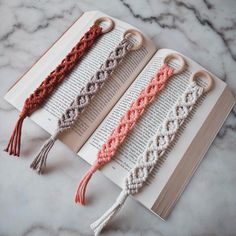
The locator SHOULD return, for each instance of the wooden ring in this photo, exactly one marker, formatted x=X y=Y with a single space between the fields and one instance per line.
x=136 y=33
x=176 y=56
x=105 y=19
x=205 y=75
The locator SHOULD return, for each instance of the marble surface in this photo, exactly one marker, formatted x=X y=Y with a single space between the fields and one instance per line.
x=43 y=205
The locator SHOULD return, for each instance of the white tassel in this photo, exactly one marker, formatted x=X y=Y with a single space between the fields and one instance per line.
x=99 y=224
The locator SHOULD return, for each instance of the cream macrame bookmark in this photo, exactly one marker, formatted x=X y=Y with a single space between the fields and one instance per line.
x=87 y=93
x=157 y=146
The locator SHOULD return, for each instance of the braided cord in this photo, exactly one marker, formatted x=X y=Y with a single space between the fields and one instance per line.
x=156 y=148
x=58 y=75
x=131 y=117
x=158 y=145
x=87 y=93
x=45 y=89
x=125 y=125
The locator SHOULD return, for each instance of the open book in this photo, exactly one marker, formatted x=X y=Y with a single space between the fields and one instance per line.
x=103 y=114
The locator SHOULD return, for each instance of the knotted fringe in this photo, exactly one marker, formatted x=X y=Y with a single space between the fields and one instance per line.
x=80 y=193
x=39 y=163
x=99 y=224
x=13 y=147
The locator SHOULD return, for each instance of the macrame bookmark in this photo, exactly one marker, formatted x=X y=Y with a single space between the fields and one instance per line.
x=128 y=121
x=156 y=147
x=86 y=94
x=36 y=99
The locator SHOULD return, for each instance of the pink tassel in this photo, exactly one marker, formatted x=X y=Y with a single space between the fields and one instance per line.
x=80 y=193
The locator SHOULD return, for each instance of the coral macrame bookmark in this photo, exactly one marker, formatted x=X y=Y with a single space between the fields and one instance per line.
x=157 y=146
x=129 y=120
x=87 y=93
x=45 y=89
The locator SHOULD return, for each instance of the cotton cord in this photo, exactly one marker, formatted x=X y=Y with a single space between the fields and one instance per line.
x=87 y=93
x=125 y=125
x=36 y=99
x=156 y=148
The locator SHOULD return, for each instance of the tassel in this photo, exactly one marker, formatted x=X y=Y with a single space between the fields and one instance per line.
x=13 y=147
x=99 y=224
x=80 y=193
x=39 y=163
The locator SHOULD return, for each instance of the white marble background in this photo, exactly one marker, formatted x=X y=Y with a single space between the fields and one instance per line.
x=43 y=205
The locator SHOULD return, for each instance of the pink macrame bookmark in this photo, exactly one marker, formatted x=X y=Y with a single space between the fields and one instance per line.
x=129 y=120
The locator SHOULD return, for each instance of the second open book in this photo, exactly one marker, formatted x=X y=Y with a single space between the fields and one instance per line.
x=103 y=114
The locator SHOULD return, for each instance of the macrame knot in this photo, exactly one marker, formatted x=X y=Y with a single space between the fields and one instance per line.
x=25 y=110
x=96 y=165
x=167 y=70
x=122 y=197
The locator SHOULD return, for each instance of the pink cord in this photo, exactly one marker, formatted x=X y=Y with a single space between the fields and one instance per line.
x=125 y=125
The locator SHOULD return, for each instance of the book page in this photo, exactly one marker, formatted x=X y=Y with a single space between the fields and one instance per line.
x=138 y=138
x=62 y=97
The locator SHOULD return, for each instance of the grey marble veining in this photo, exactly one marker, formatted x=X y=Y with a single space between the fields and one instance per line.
x=43 y=205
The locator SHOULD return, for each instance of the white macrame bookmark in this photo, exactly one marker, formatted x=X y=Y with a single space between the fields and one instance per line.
x=157 y=146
